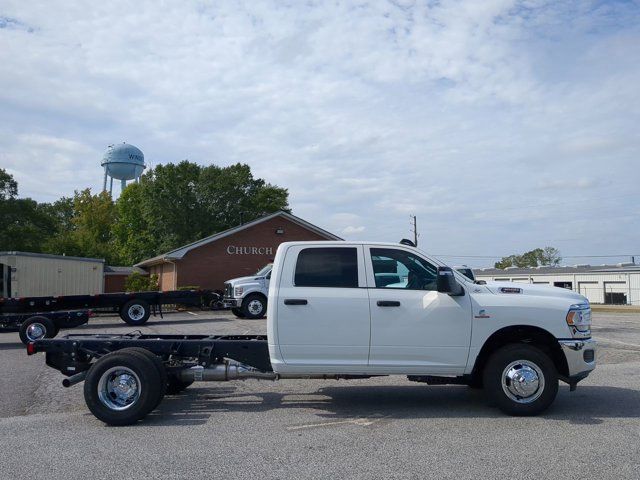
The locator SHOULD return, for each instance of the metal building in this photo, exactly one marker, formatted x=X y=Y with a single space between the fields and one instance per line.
x=25 y=274
x=607 y=284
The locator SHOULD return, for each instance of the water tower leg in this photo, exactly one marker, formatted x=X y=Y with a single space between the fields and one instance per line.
x=104 y=185
x=123 y=183
x=111 y=187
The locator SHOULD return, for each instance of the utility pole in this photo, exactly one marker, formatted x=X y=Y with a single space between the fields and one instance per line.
x=414 y=223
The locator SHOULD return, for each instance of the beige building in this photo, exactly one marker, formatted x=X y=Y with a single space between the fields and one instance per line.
x=36 y=274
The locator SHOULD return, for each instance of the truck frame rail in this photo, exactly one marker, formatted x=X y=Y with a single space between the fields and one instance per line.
x=72 y=354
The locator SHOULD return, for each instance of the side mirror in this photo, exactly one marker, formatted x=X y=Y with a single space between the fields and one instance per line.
x=446 y=282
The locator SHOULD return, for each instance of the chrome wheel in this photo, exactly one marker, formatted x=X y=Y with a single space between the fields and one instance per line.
x=136 y=312
x=523 y=381
x=36 y=331
x=119 y=388
x=255 y=307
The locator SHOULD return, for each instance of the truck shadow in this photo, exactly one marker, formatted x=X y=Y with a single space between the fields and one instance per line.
x=588 y=405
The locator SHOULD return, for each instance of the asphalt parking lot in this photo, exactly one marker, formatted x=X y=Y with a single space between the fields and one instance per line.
x=377 y=428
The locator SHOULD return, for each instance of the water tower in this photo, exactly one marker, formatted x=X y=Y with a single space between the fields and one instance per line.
x=122 y=162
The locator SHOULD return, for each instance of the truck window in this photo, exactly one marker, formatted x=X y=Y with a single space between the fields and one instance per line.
x=400 y=269
x=327 y=267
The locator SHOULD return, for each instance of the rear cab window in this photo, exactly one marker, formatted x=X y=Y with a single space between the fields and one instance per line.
x=327 y=267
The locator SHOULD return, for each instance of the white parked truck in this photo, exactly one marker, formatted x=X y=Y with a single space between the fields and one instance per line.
x=354 y=310
x=247 y=296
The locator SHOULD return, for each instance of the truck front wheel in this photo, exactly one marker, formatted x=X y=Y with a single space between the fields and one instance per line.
x=237 y=312
x=521 y=379
x=135 y=312
x=122 y=388
x=254 y=306
x=35 y=328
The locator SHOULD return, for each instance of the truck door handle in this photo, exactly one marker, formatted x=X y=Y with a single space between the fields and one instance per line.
x=295 y=301
x=388 y=303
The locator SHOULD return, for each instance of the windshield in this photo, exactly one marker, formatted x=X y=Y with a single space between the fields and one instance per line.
x=264 y=270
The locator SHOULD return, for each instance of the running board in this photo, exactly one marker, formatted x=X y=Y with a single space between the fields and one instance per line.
x=433 y=380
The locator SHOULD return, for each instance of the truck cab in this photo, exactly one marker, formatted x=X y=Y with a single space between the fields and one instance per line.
x=247 y=296
x=381 y=309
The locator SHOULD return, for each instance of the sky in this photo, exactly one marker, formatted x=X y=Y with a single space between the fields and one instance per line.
x=502 y=125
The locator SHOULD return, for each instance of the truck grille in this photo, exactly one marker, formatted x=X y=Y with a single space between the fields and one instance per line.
x=228 y=290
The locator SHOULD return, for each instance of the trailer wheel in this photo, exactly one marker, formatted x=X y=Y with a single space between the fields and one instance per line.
x=175 y=385
x=521 y=380
x=237 y=312
x=254 y=306
x=135 y=312
x=122 y=388
x=157 y=362
x=35 y=328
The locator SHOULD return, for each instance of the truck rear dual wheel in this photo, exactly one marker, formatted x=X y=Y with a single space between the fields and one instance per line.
x=254 y=306
x=135 y=312
x=521 y=379
x=123 y=387
x=37 y=327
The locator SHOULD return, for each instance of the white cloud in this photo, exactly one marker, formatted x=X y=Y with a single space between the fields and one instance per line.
x=449 y=110
x=351 y=230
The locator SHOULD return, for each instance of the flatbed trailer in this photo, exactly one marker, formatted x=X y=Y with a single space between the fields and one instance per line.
x=133 y=307
x=33 y=326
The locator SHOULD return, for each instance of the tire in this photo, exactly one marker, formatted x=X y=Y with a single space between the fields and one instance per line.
x=237 y=312
x=175 y=385
x=135 y=312
x=35 y=328
x=114 y=406
x=475 y=383
x=539 y=380
x=157 y=362
x=254 y=306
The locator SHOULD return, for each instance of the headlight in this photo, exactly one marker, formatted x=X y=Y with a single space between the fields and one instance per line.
x=238 y=291
x=579 y=317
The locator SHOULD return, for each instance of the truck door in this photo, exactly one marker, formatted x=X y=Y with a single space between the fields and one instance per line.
x=323 y=308
x=413 y=327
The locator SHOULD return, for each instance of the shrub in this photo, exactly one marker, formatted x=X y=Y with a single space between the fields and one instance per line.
x=137 y=282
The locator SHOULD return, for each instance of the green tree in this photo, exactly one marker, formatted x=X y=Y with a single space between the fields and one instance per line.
x=547 y=256
x=25 y=224
x=90 y=230
x=133 y=227
x=175 y=204
x=8 y=186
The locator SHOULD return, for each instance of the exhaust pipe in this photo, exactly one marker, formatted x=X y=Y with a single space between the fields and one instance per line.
x=224 y=372
x=73 y=379
x=238 y=371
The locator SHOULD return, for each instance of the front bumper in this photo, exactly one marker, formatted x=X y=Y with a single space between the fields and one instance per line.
x=231 y=302
x=581 y=358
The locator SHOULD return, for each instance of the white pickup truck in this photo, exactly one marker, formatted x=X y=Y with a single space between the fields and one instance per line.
x=247 y=296
x=354 y=310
